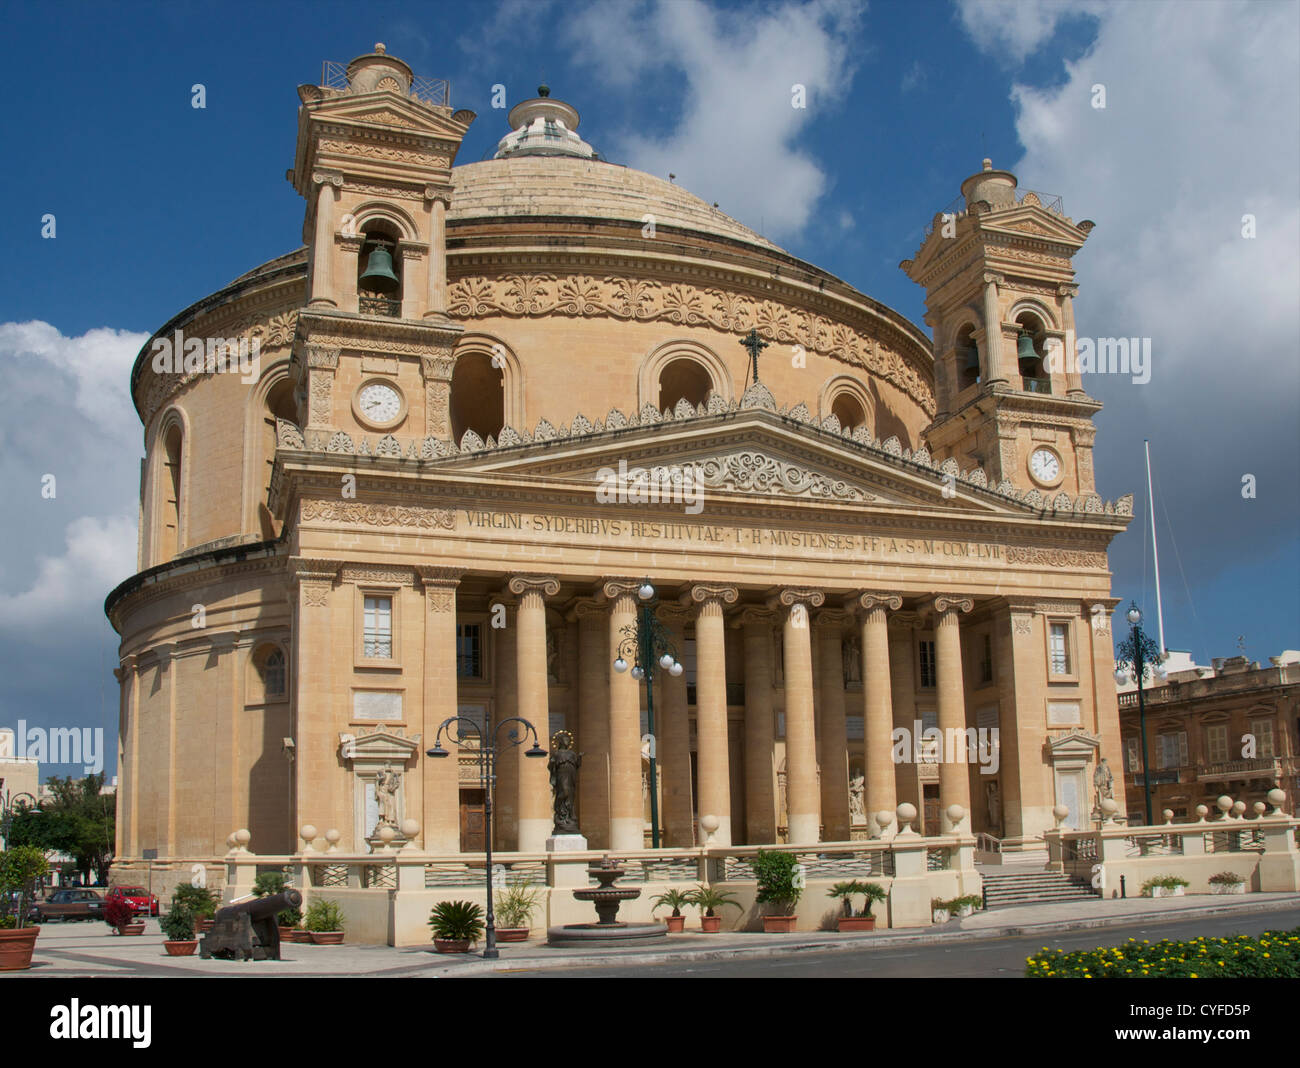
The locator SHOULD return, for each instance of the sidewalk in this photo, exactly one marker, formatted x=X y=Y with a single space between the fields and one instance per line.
x=86 y=949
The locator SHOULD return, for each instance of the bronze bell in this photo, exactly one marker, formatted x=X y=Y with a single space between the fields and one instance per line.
x=971 y=360
x=378 y=274
x=1025 y=353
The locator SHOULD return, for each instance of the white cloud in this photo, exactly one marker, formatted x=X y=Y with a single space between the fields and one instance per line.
x=1011 y=29
x=736 y=139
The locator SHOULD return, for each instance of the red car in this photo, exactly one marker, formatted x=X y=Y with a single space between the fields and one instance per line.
x=137 y=897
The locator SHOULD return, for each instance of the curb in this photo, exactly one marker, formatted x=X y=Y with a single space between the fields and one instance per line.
x=845 y=945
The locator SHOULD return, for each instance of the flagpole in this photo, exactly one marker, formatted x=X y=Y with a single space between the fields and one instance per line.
x=1155 y=551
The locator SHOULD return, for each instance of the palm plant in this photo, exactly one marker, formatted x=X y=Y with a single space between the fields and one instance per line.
x=845 y=891
x=456 y=921
x=674 y=898
x=708 y=898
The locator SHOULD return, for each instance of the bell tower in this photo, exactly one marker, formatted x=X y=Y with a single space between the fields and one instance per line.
x=373 y=160
x=998 y=289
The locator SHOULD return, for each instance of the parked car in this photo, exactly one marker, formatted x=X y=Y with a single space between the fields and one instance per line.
x=137 y=897
x=69 y=905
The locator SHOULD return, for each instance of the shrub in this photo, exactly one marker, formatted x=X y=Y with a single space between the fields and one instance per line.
x=178 y=925
x=516 y=905
x=709 y=898
x=456 y=921
x=674 y=898
x=323 y=916
x=269 y=882
x=1227 y=878
x=776 y=872
x=20 y=869
x=873 y=892
x=1166 y=882
x=118 y=913
x=196 y=900
x=1274 y=954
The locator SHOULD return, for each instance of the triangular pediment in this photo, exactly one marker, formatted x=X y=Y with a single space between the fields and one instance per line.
x=389 y=110
x=1035 y=221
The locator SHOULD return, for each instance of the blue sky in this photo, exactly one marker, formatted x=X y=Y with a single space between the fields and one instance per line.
x=158 y=203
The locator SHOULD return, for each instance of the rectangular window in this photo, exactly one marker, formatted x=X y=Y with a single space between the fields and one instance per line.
x=986 y=660
x=1059 y=636
x=1132 y=755
x=469 y=651
x=1262 y=729
x=378 y=628
x=1216 y=743
x=1173 y=750
x=928 y=673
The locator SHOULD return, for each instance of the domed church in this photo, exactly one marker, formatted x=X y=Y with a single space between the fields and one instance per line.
x=498 y=419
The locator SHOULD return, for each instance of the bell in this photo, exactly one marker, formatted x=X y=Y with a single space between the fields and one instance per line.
x=1025 y=354
x=378 y=274
x=971 y=360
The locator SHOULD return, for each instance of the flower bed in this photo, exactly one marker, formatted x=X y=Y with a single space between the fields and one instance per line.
x=1274 y=954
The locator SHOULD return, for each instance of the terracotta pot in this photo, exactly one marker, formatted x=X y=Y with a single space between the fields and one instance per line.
x=856 y=923
x=710 y=924
x=327 y=938
x=16 y=948
x=779 y=924
x=286 y=934
x=203 y=925
x=448 y=945
x=136 y=928
x=676 y=924
x=512 y=934
x=301 y=937
x=181 y=949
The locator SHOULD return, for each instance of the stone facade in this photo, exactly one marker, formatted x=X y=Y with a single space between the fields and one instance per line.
x=404 y=516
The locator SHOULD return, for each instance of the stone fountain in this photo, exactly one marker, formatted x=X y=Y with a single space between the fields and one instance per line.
x=607 y=897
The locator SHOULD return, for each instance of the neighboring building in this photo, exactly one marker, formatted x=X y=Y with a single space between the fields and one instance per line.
x=1231 y=729
x=19 y=778
x=406 y=513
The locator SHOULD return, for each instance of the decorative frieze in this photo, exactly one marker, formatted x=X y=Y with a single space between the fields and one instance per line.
x=377 y=515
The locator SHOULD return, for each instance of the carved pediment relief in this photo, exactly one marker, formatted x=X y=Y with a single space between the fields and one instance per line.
x=754 y=471
x=370 y=748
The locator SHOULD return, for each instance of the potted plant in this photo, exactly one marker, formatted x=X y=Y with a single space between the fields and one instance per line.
x=939 y=910
x=862 y=921
x=20 y=869
x=676 y=899
x=1164 y=886
x=199 y=902
x=1227 y=882
x=120 y=916
x=964 y=906
x=514 y=910
x=178 y=926
x=456 y=925
x=274 y=882
x=780 y=886
x=708 y=898
x=325 y=922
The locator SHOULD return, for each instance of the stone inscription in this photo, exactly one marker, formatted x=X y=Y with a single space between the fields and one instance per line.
x=740 y=538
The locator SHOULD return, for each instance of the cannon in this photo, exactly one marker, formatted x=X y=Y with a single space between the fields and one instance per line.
x=248 y=931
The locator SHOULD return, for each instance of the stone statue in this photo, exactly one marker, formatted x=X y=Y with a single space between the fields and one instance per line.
x=857 y=797
x=552 y=657
x=852 y=654
x=993 y=802
x=563 y=765
x=387 y=783
x=1103 y=783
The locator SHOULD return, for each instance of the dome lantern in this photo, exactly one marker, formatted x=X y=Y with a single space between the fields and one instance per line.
x=543 y=126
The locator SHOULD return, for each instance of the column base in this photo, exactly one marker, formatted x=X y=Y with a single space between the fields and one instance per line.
x=533 y=834
x=627 y=832
x=804 y=830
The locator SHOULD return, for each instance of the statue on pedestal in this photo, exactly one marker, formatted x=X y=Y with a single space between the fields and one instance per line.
x=1103 y=784
x=857 y=797
x=563 y=765
x=387 y=783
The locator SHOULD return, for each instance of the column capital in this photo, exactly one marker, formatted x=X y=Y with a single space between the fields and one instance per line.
x=327 y=177
x=437 y=368
x=951 y=602
x=993 y=278
x=833 y=619
x=305 y=569
x=903 y=621
x=546 y=585
x=674 y=613
x=793 y=595
x=611 y=589
x=582 y=609
x=704 y=593
x=1067 y=290
x=754 y=616
x=439 y=576
x=874 y=599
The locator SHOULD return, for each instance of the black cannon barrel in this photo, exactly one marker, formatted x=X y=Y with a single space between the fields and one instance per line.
x=262 y=907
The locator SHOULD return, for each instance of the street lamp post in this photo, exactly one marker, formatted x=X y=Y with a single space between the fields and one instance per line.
x=647 y=645
x=487 y=769
x=1142 y=652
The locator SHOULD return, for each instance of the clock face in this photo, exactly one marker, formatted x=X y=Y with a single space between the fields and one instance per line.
x=379 y=403
x=1045 y=465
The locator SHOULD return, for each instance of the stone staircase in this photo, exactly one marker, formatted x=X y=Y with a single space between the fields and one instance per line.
x=1004 y=888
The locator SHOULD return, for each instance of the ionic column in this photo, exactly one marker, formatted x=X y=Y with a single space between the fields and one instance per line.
x=954 y=775
x=505 y=829
x=593 y=719
x=760 y=728
x=535 y=812
x=877 y=704
x=832 y=737
x=436 y=295
x=803 y=806
x=1073 y=382
x=626 y=821
x=673 y=730
x=322 y=262
x=711 y=745
x=902 y=685
x=440 y=781
x=993 y=362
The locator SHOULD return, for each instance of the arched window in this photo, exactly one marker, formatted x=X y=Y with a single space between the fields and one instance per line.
x=269 y=679
x=850 y=401
x=1030 y=352
x=683 y=379
x=379 y=273
x=169 y=496
x=849 y=411
x=968 y=358
x=477 y=396
x=279 y=404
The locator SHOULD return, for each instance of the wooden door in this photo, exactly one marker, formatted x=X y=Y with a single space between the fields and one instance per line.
x=472 y=821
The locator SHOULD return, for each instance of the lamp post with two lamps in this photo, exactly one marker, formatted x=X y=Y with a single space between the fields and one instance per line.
x=487 y=755
x=646 y=645
x=1143 y=654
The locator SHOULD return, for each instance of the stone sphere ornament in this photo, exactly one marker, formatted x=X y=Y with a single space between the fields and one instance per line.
x=308 y=834
x=906 y=813
x=1224 y=804
x=1168 y=815
x=1238 y=809
x=1109 y=806
x=242 y=837
x=386 y=834
x=410 y=828
x=1202 y=812
x=709 y=825
x=956 y=814
x=1060 y=813
x=1275 y=798
x=884 y=818
x=333 y=837
x=1259 y=808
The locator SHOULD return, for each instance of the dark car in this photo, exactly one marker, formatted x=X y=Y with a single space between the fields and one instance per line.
x=137 y=897
x=69 y=905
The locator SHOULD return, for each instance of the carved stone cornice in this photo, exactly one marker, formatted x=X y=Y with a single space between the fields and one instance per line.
x=1058 y=608
x=870 y=600
x=304 y=569
x=793 y=595
x=546 y=585
x=400 y=576
x=376 y=515
x=433 y=575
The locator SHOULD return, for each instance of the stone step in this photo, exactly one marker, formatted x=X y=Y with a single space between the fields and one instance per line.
x=1030 y=888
